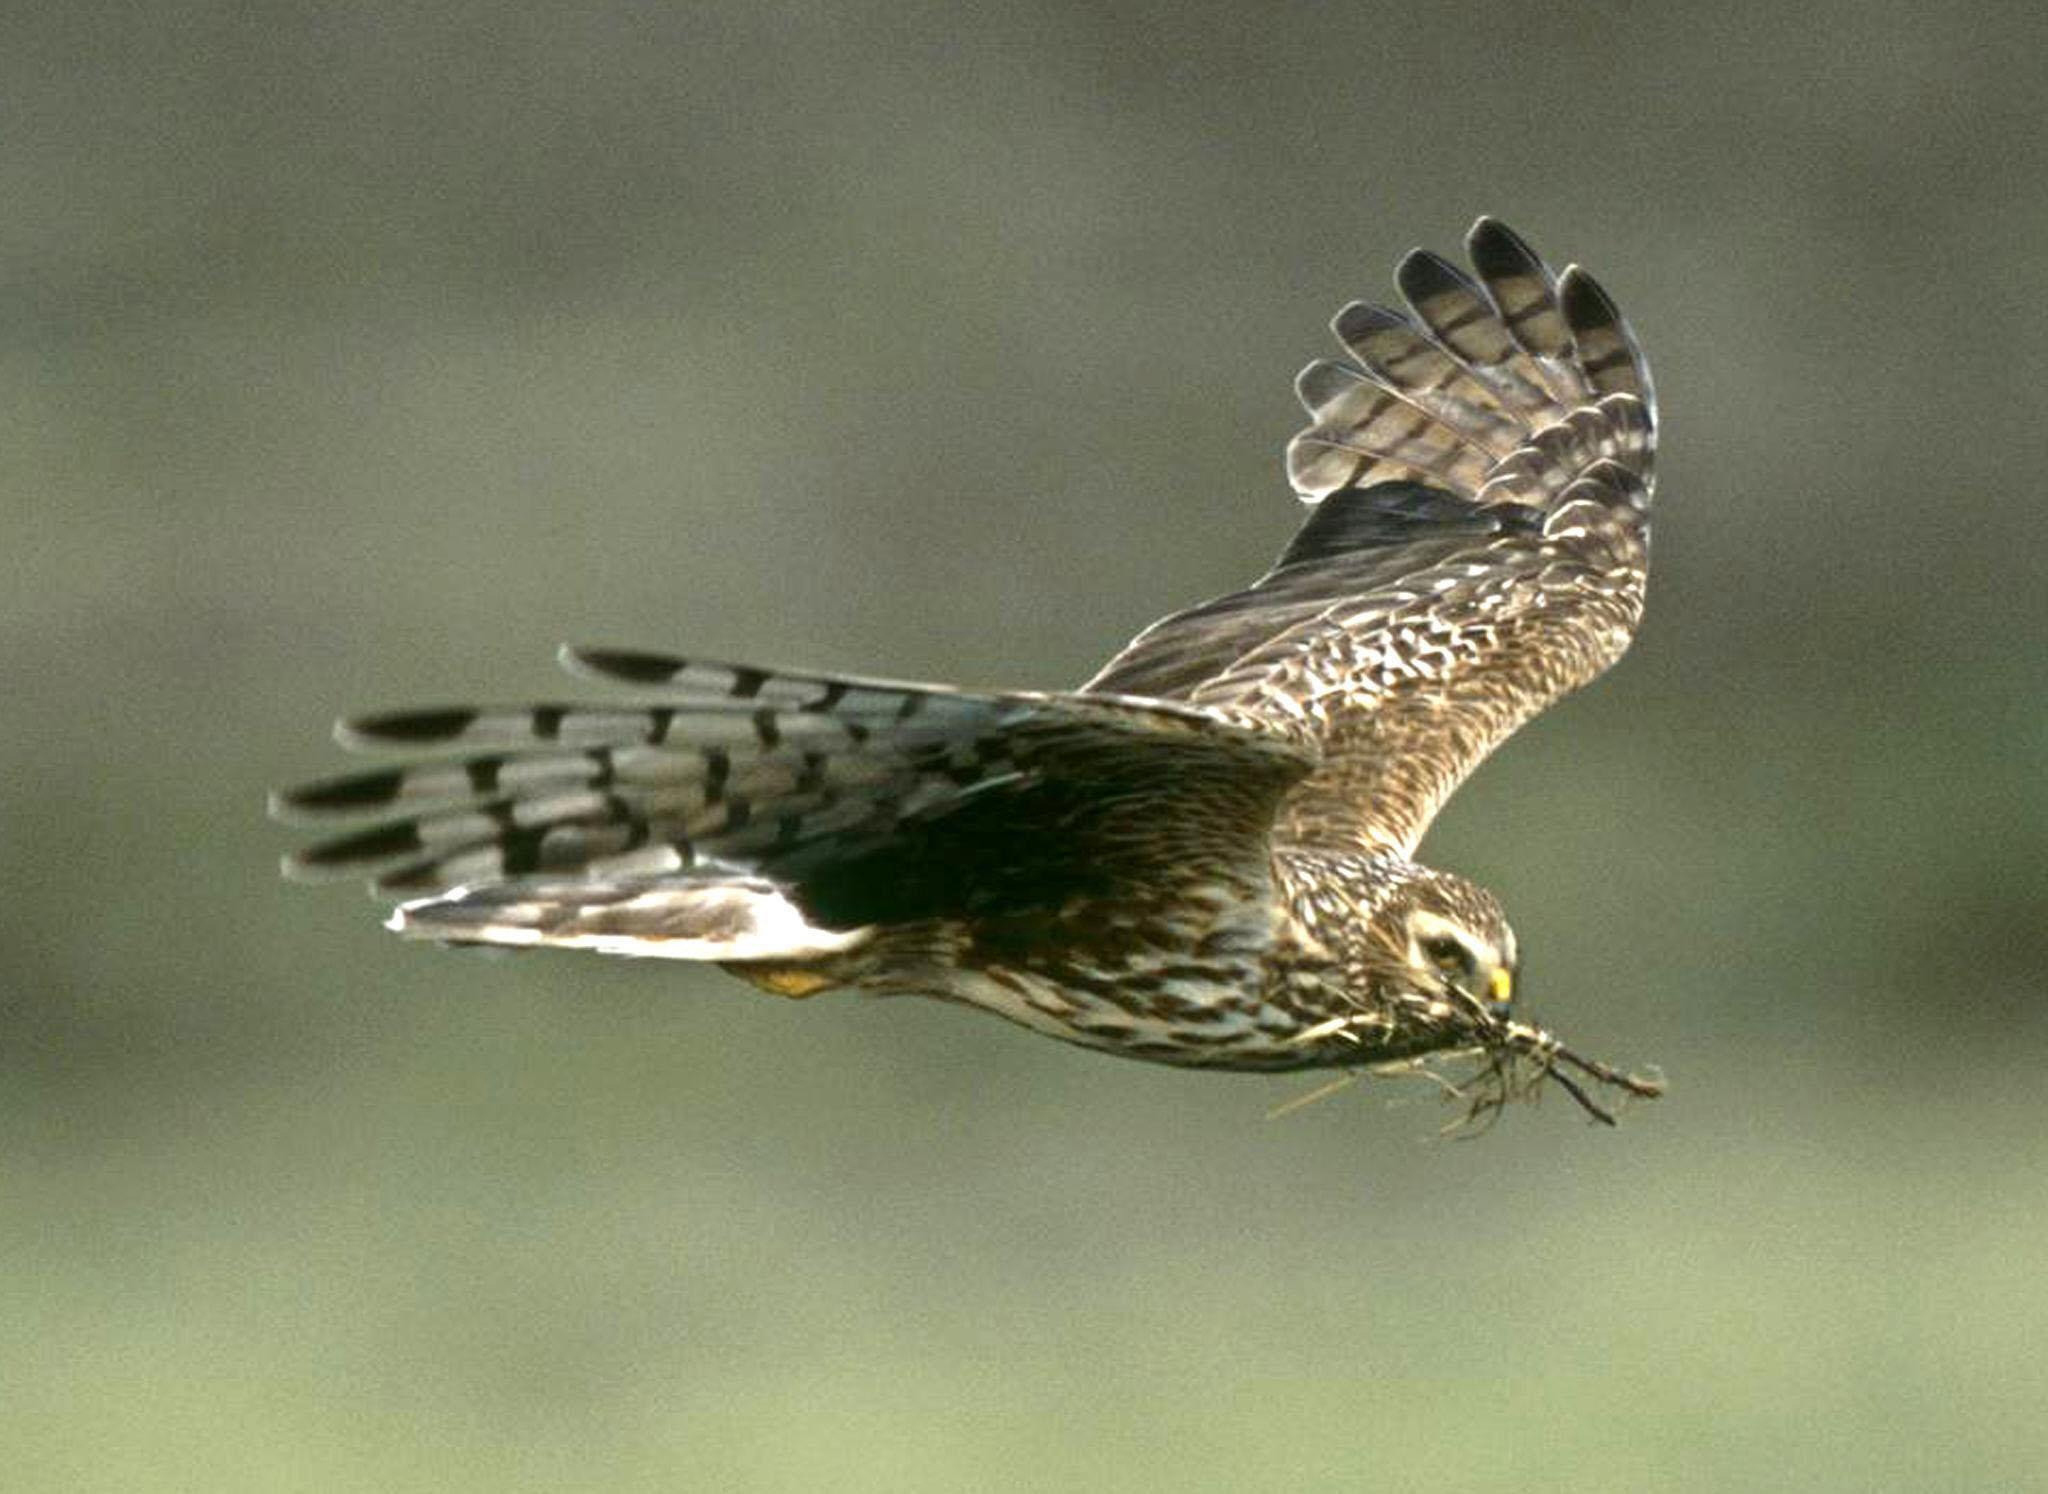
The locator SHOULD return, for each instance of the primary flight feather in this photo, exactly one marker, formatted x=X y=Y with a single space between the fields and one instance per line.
x=1203 y=856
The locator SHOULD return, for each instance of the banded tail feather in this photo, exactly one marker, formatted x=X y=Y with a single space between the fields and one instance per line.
x=1465 y=390
x=724 y=917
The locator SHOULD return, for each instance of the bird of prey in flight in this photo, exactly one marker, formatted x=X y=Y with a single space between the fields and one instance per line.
x=1203 y=856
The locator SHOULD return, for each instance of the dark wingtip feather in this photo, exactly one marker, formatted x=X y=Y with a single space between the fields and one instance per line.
x=406 y=728
x=1613 y=358
x=632 y=666
x=1585 y=303
x=1497 y=249
x=338 y=795
x=1359 y=320
x=378 y=844
x=1424 y=273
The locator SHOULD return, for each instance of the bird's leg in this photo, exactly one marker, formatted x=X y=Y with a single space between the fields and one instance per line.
x=795 y=981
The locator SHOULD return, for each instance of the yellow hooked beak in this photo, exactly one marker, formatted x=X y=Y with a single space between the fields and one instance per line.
x=1501 y=987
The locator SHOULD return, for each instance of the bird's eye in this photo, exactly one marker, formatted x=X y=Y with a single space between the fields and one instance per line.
x=1448 y=954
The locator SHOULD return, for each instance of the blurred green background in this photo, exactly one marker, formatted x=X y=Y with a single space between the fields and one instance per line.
x=356 y=355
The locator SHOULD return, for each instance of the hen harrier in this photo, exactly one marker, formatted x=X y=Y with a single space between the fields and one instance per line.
x=1200 y=857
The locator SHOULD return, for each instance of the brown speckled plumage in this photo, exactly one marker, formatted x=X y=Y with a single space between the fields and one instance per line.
x=1202 y=856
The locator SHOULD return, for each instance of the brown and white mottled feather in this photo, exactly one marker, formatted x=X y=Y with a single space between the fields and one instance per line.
x=834 y=803
x=1201 y=856
x=1484 y=473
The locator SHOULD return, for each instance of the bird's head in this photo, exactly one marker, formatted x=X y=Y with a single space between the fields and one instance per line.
x=1451 y=943
x=1449 y=971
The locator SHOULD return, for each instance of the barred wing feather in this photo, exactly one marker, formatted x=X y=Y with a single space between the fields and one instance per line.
x=769 y=812
x=1483 y=470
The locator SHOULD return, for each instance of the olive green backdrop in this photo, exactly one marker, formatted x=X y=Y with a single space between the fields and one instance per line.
x=355 y=355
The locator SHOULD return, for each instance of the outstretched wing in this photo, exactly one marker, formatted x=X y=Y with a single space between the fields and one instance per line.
x=859 y=802
x=1484 y=471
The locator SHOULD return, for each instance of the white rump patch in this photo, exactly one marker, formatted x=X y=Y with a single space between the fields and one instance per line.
x=742 y=920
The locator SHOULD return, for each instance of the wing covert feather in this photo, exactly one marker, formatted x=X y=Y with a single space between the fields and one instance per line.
x=1483 y=475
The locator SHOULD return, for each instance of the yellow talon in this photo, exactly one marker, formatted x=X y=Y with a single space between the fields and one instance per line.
x=793 y=981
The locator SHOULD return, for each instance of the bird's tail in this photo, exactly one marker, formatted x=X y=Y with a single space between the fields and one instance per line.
x=708 y=915
x=1510 y=388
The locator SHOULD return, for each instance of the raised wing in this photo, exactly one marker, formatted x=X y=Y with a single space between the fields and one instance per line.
x=1484 y=471
x=861 y=801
